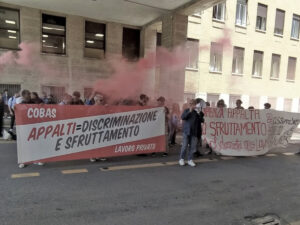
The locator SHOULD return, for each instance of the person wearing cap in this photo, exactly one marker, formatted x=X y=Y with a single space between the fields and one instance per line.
x=190 y=133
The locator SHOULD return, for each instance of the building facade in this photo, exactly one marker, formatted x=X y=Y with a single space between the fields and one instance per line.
x=76 y=39
x=262 y=65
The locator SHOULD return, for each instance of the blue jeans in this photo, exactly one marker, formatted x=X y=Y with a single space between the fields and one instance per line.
x=191 y=142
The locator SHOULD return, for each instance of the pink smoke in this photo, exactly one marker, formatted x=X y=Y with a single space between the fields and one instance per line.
x=28 y=56
x=223 y=43
x=129 y=78
x=6 y=59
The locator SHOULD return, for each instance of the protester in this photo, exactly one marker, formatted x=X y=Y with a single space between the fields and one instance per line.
x=90 y=99
x=191 y=129
x=98 y=101
x=5 y=98
x=128 y=102
x=221 y=104
x=174 y=123
x=161 y=103
x=44 y=97
x=26 y=97
x=51 y=100
x=1 y=115
x=11 y=107
x=144 y=99
x=67 y=100
x=239 y=104
x=200 y=104
x=76 y=98
x=267 y=105
x=35 y=98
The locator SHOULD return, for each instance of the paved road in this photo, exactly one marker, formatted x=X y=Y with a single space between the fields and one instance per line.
x=150 y=191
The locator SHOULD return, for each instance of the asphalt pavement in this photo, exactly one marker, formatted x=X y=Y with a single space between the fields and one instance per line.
x=151 y=190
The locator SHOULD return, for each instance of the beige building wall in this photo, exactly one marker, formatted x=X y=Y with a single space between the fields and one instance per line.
x=73 y=71
x=202 y=82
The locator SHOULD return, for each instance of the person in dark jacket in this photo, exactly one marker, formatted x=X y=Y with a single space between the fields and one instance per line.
x=191 y=131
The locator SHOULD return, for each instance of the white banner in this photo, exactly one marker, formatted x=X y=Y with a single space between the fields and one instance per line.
x=236 y=132
x=74 y=132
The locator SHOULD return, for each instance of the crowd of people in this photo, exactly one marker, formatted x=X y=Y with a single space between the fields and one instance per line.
x=189 y=119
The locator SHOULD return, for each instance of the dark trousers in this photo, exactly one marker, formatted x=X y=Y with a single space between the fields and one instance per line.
x=173 y=138
x=1 y=124
x=12 y=120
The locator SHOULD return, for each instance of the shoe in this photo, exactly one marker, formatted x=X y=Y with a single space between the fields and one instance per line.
x=92 y=160
x=40 y=164
x=21 y=165
x=181 y=162
x=165 y=154
x=103 y=159
x=191 y=163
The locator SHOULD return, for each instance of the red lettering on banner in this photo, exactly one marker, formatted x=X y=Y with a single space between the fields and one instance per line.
x=56 y=131
x=69 y=127
x=41 y=131
x=229 y=128
x=62 y=130
x=32 y=134
x=211 y=125
x=48 y=131
x=214 y=112
x=74 y=127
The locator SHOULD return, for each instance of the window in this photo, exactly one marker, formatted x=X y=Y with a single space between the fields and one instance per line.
x=131 y=43
x=53 y=34
x=238 y=60
x=261 y=19
x=241 y=13
x=216 y=56
x=219 y=12
x=57 y=92
x=213 y=99
x=291 y=68
x=94 y=40
x=232 y=100
x=257 y=63
x=279 y=22
x=295 y=26
x=193 y=50
x=287 y=106
x=158 y=40
x=11 y=88
x=275 y=66
x=9 y=28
